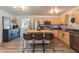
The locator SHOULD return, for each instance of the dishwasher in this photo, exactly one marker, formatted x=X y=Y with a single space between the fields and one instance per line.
x=74 y=41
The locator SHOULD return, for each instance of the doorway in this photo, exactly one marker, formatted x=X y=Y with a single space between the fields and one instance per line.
x=25 y=25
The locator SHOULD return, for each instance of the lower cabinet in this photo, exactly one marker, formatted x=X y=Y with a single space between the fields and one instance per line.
x=10 y=34
x=64 y=37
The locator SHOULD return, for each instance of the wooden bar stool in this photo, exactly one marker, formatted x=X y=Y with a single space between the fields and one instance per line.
x=28 y=37
x=49 y=36
x=38 y=37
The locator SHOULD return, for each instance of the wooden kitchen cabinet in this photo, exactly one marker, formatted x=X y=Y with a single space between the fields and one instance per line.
x=63 y=19
x=76 y=15
x=77 y=18
x=64 y=36
x=54 y=20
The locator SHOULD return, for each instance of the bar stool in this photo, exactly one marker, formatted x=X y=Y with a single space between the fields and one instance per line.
x=49 y=36
x=28 y=37
x=39 y=37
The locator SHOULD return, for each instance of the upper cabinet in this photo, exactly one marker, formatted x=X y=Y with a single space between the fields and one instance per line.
x=76 y=15
x=54 y=20
x=50 y=19
x=63 y=19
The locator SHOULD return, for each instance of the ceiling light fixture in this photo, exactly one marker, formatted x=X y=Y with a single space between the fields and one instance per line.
x=20 y=7
x=54 y=10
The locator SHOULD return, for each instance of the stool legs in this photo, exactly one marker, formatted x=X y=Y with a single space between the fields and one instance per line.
x=43 y=45
x=33 y=49
x=53 y=46
x=24 y=46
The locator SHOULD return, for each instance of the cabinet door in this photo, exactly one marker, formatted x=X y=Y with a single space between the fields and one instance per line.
x=62 y=19
x=77 y=18
x=76 y=14
x=10 y=33
x=66 y=38
x=16 y=32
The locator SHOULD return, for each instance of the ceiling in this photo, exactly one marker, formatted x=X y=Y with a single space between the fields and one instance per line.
x=36 y=10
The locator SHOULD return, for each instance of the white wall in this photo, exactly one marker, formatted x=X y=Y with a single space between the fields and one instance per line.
x=6 y=14
x=19 y=20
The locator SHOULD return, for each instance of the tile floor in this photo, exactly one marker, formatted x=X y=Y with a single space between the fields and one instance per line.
x=15 y=46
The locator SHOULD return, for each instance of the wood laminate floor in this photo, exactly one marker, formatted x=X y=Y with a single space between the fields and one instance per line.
x=15 y=46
